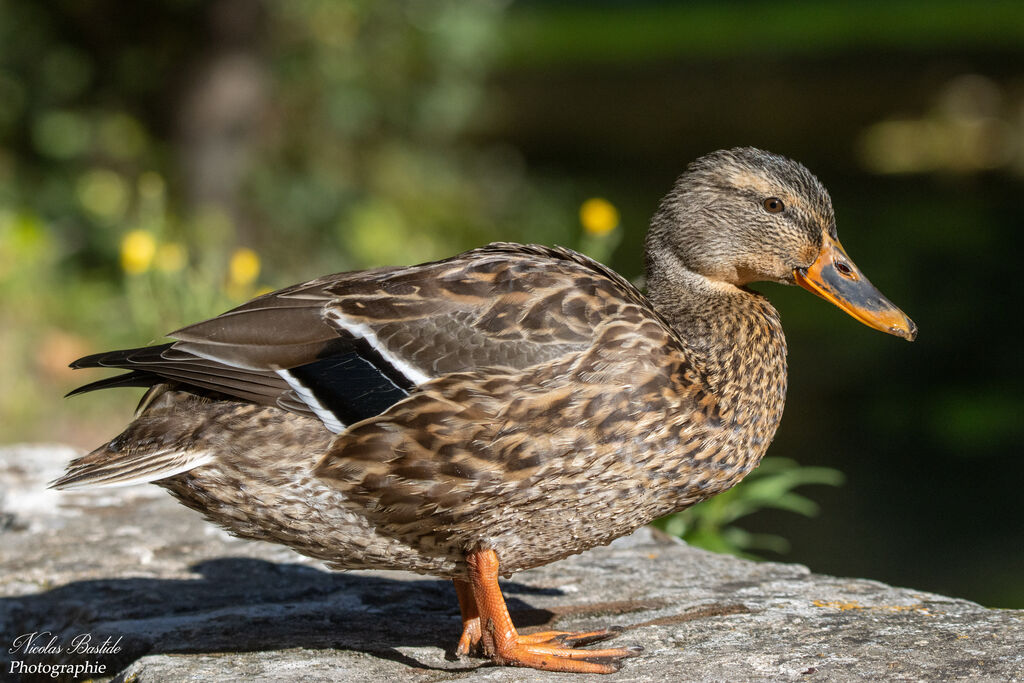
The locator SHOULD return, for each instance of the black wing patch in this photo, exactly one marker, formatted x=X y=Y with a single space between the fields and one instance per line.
x=348 y=386
x=351 y=383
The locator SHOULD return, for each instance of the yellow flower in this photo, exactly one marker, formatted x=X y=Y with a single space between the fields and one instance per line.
x=137 y=250
x=244 y=267
x=598 y=216
x=170 y=257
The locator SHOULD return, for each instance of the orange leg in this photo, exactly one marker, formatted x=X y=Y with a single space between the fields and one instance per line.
x=471 y=633
x=550 y=651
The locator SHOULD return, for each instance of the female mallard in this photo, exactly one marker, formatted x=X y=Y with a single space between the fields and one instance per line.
x=513 y=403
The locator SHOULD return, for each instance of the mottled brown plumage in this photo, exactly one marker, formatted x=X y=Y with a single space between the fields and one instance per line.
x=513 y=404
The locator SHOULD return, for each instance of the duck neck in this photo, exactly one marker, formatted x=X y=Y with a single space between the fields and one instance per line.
x=733 y=335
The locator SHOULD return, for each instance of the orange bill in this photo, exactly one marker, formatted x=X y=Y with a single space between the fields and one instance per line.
x=835 y=278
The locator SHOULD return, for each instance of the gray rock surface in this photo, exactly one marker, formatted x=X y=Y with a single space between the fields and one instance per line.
x=184 y=601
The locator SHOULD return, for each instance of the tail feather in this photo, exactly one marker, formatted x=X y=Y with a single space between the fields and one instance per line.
x=152 y=365
x=105 y=468
x=128 y=379
x=122 y=358
x=159 y=443
x=118 y=359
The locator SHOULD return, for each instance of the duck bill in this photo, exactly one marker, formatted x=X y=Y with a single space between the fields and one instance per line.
x=835 y=278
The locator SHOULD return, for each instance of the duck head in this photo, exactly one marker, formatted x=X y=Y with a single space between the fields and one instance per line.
x=744 y=215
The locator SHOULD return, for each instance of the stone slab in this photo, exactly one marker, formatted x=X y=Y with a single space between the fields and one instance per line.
x=184 y=601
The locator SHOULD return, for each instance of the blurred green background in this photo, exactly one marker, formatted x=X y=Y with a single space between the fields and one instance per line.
x=161 y=161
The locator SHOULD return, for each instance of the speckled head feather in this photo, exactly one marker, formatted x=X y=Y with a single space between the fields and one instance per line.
x=714 y=221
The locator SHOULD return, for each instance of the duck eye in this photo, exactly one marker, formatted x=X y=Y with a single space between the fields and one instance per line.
x=773 y=205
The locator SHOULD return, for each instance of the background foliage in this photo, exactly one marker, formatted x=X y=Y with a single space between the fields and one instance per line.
x=161 y=161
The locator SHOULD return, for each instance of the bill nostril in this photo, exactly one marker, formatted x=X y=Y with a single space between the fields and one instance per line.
x=844 y=270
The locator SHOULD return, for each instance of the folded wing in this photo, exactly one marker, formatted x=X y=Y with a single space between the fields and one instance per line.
x=347 y=347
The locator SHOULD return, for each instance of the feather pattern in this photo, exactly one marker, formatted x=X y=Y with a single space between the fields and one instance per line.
x=347 y=347
x=101 y=470
x=519 y=398
x=497 y=410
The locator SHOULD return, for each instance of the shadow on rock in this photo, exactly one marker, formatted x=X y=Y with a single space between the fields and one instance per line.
x=239 y=605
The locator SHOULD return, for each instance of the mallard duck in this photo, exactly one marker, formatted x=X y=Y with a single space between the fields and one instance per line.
x=497 y=410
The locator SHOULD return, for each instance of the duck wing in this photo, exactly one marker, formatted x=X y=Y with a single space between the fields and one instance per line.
x=349 y=346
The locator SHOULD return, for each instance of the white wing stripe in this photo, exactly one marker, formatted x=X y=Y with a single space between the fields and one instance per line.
x=329 y=419
x=363 y=331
